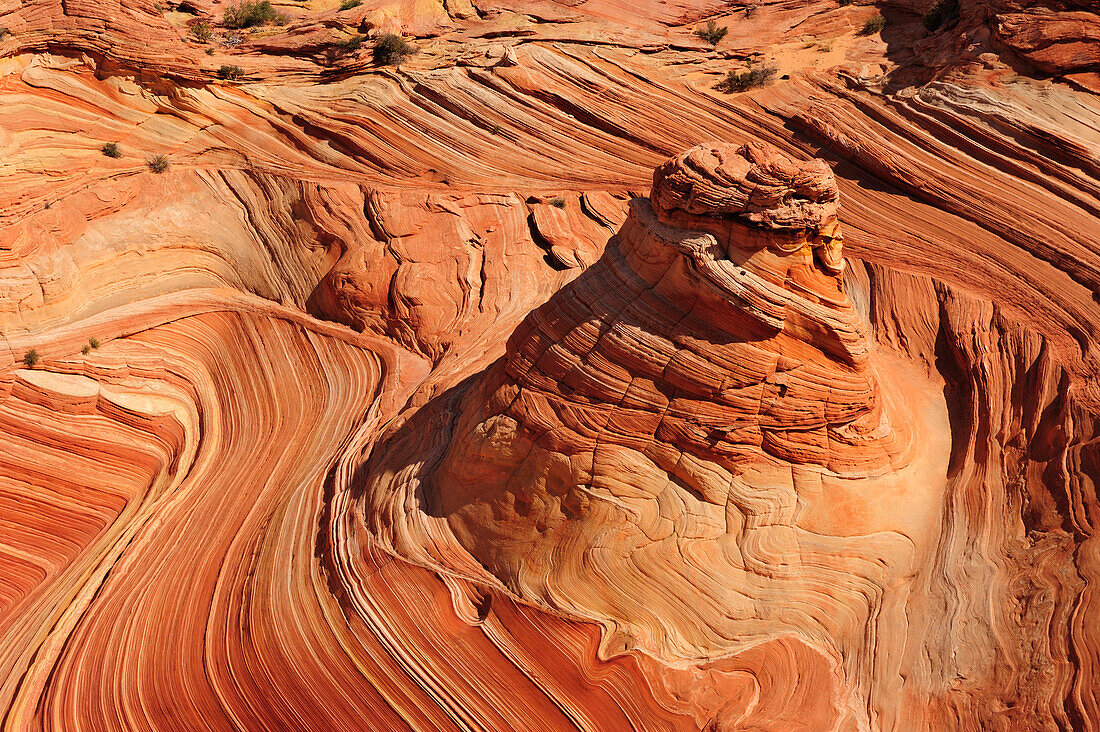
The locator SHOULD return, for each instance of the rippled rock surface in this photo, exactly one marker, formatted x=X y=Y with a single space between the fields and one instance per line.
x=534 y=383
x=700 y=412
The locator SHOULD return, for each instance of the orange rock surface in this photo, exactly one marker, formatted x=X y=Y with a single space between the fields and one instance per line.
x=535 y=383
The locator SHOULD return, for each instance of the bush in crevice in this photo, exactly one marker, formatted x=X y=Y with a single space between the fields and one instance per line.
x=712 y=33
x=873 y=25
x=31 y=358
x=157 y=163
x=111 y=150
x=390 y=49
x=246 y=14
x=349 y=4
x=943 y=12
x=201 y=31
x=558 y=202
x=352 y=44
x=232 y=73
x=751 y=79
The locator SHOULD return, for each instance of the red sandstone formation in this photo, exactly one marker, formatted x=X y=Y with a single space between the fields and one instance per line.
x=408 y=397
x=1057 y=37
x=700 y=411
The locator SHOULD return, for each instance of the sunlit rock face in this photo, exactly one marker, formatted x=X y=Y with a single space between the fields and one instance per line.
x=695 y=443
x=318 y=473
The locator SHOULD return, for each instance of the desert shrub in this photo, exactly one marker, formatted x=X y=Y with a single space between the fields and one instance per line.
x=93 y=342
x=31 y=358
x=873 y=25
x=201 y=31
x=111 y=150
x=210 y=52
x=558 y=202
x=751 y=79
x=352 y=44
x=157 y=163
x=390 y=49
x=4 y=32
x=944 y=11
x=349 y=4
x=844 y=2
x=85 y=349
x=246 y=14
x=227 y=71
x=712 y=33
x=497 y=129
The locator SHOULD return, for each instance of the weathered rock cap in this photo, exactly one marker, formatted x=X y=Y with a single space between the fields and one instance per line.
x=755 y=182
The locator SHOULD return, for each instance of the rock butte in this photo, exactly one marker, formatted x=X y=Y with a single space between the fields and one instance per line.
x=699 y=412
x=533 y=383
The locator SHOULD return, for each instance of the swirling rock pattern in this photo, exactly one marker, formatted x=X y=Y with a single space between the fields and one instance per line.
x=417 y=401
x=698 y=413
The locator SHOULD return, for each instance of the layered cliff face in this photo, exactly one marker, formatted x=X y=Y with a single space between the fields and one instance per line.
x=1056 y=37
x=408 y=397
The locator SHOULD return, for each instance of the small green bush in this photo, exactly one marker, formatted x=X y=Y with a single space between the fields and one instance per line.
x=93 y=342
x=349 y=4
x=497 y=129
x=31 y=358
x=751 y=79
x=246 y=14
x=227 y=71
x=157 y=163
x=390 y=49
x=944 y=11
x=201 y=31
x=352 y=44
x=712 y=33
x=874 y=25
x=558 y=202
x=111 y=150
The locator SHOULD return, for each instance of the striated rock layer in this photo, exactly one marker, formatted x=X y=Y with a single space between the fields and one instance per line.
x=701 y=412
x=409 y=397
